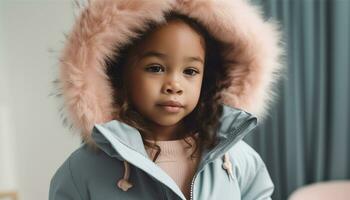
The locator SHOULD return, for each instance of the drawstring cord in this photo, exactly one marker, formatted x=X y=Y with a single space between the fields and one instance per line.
x=124 y=183
x=227 y=165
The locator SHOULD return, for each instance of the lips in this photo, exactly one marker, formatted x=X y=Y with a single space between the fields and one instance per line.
x=171 y=104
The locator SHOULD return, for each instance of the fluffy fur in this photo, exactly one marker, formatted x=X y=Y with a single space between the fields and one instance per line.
x=254 y=56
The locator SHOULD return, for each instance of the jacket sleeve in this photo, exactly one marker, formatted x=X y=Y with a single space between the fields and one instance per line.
x=62 y=185
x=254 y=179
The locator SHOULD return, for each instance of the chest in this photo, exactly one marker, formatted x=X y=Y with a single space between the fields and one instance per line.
x=212 y=182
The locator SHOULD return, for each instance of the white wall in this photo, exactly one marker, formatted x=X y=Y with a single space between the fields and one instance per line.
x=7 y=155
x=33 y=142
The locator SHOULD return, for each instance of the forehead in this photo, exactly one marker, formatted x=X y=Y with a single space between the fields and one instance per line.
x=173 y=37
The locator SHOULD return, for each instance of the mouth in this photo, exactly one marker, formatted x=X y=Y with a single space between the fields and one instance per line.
x=171 y=106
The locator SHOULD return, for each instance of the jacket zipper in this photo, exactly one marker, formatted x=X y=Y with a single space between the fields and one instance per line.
x=229 y=140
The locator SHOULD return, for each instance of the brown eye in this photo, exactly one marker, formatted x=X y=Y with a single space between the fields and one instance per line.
x=154 y=68
x=191 y=71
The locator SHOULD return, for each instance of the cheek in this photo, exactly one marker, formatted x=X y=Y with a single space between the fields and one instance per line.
x=194 y=89
x=141 y=89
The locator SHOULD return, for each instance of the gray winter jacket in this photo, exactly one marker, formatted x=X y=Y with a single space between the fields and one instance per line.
x=91 y=175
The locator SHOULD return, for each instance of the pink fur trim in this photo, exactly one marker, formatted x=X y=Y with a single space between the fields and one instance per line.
x=105 y=24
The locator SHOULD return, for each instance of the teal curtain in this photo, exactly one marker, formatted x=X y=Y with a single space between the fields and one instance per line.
x=306 y=137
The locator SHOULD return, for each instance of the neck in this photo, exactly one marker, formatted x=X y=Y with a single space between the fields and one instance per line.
x=164 y=133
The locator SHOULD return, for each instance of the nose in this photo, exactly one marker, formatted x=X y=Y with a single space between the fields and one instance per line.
x=172 y=87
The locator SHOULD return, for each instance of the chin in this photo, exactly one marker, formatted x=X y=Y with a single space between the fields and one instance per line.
x=167 y=122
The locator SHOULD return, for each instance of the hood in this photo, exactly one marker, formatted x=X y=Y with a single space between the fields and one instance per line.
x=103 y=25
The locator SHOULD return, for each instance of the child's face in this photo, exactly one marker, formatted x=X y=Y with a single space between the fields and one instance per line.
x=167 y=66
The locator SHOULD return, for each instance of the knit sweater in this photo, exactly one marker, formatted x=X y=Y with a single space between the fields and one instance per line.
x=175 y=160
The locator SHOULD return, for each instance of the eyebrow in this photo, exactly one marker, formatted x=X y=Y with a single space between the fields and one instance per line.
x=164 y=56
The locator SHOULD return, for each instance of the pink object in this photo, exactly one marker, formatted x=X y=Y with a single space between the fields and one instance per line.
x=254 y=53
x=332 y=190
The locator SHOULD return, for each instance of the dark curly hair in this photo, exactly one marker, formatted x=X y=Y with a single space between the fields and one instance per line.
x=204 y=119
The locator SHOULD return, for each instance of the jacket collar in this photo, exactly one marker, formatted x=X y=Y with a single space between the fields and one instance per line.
x=111 y=137
x=228 y=134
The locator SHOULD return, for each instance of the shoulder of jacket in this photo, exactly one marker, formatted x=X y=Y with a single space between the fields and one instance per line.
x=81 y=162
x=245 y=160
x=71 y=164
x=251 y=172
x=86 y=158
x=76 y=171
x=83 y=154
x=64 y=181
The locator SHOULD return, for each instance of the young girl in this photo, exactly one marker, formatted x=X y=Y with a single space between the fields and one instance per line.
x=158 y=91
